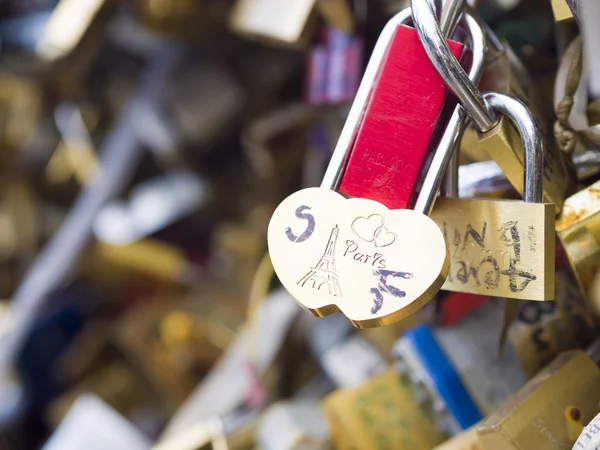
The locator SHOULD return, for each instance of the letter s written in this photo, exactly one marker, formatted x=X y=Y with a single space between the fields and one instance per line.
x=310 y=228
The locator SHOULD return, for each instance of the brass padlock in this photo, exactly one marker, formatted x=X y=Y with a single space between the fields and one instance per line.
x=578 y=228
x=155 y=259
x=186 y=19
x=384 y=409
x=540 y=331
x=535 y=417
x=517 y=261
x=337 y=13
x=503 y=248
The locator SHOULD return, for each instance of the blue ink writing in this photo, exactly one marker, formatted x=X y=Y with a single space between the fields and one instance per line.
x=474 y=264
x=383 y=287
x=310 y=228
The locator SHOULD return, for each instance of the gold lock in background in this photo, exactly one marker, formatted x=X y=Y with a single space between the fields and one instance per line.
x=534 y=417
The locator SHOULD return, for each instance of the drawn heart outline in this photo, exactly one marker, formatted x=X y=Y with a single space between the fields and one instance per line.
x=366 y=227
x=384 y=237
x=418 y=249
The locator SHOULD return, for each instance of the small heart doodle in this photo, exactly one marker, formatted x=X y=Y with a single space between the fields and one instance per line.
x=384 y=237
x=365 y=227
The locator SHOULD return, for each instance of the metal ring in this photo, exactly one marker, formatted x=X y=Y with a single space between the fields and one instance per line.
x=531 y=136
x=456 y=126
x=448 y=67
x=449 y=14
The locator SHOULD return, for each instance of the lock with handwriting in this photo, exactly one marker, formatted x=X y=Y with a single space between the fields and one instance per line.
x=499 y=248
x=502 y=247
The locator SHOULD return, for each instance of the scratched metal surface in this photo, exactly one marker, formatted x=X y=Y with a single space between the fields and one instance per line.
x=499 y=248
x=400 y=120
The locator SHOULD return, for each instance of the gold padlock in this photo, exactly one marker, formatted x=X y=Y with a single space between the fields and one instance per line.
x=503 y=248
x=525 y=258
x=535 y=417
x=578 y=228
x=540 y=331
x=500 y=141
x=153 y=258
x=382 y=410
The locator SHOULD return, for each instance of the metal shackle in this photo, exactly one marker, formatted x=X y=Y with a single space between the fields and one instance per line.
x=350 y=129
x=531 y=137
x=457 y=124
x=453 y=74
x=450 y=12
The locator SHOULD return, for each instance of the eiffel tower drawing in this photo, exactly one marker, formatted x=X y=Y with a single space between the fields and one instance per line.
x=324 y=272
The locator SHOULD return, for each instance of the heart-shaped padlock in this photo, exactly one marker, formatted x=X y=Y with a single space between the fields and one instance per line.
x=356 y=256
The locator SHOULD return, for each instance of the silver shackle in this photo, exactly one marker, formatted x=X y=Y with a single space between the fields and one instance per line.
x=453 y=74
x=531 y=136
x=457 y=124
x=450 y=13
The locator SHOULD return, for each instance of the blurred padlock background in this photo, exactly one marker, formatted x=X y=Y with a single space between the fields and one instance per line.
x=144 y=145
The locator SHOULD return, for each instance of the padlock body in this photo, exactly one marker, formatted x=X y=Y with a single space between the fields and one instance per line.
x=578 y=228
x=502 y=74
x=406 y=104
x=534 y=418
x=502 y=248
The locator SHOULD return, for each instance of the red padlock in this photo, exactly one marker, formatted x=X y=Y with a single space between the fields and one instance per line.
x=398 y=124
